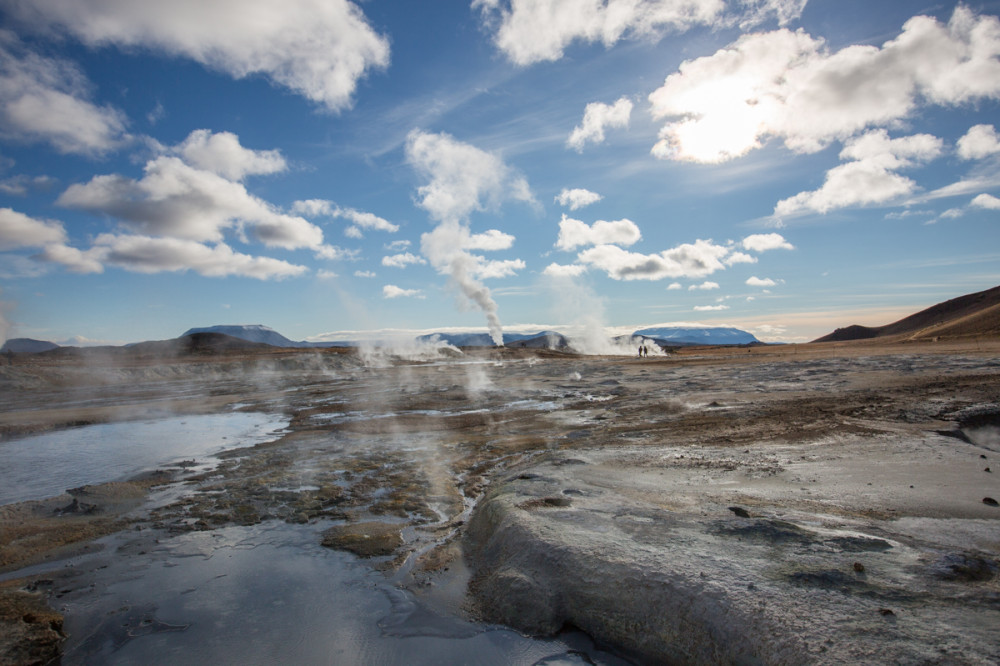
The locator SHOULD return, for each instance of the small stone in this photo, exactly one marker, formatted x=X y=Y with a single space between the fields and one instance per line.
x=740 y=511
x=860 y=568
x=886 y=611
x=987 y=470
x=990 y=501
x=983 y=456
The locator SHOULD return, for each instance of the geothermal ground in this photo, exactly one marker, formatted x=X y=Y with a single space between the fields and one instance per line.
x=831 y=503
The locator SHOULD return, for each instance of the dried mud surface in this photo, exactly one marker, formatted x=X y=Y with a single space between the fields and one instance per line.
x=816 y=503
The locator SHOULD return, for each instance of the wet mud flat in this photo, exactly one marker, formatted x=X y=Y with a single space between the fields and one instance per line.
x=767 y=506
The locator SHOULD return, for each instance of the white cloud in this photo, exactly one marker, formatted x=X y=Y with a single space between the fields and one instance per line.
x=392 y=291
x=710 y=308
x=44 y=99
x=739 y=258
x=987 y=201
x=577 y=198
x=530 y=32
x=787 y=85
x=485 y=270
x=176 y=200
x=324 y=274
x=364 y=274
x=222 y=154
x=492 y=239
x=574 y=233
x=335 y=253
x=756 y=12
x=74 y=259
x=402 y=260
x=317 y=48
x=704 y=286
x=596 y=117
x=360 y=219
x=870 y=177
x=144 y=254
x=687 y=260
x=765 y=242
x=755 y=281
x=463 y=178
x=674 y=286
x=979 y=142
x=397 y=245
x=19 y=230
x=564 y=270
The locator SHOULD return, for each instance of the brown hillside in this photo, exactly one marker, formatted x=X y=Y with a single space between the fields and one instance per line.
x=973 y=315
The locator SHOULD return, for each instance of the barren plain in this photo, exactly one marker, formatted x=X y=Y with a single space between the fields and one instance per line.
x=822 y=503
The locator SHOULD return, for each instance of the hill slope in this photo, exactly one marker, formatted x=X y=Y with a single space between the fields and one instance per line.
x=971 y=315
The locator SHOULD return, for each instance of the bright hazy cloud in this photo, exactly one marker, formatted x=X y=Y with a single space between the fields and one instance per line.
x=792 y=87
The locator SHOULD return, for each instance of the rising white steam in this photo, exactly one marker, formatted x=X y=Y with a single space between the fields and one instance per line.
x=384 y=352
x=462 y=179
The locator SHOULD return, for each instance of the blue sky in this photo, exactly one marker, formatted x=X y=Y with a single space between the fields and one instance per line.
x=329 y=168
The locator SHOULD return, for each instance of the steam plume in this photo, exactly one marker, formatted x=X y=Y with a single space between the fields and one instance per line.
x=462 y=179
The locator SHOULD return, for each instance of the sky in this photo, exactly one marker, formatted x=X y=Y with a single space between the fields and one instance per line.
x=336 y=169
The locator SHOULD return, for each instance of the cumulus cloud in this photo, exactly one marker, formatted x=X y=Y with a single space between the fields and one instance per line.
x=364 y=274
x=765 y=242
x=869 y=177
x=755 y=281
x=789 y=86
x=596 y=117
x=18 y=230
x=739 y=258
x=145 y=254
x=392 y=291
x=987 y=201
x=574 y=233
x=174 y=199
x=73 y=259
x=564 y=270
x=49 y=100
x=979 y=142
x=402 y=260
x=530 y=32
x=577 y=198
x=316 y=48
x=490 y=240
x=359 y=219
x=222 y=154
x=696 y=260
x=674 y=286
x=710 y=308
x=704 y=286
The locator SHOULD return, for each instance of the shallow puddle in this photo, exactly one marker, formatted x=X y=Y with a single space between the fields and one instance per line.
x=48 y=464
x=270 y=594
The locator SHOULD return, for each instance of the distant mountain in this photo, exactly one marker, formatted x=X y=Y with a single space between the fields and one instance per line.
x=679 y=335
x=541 y=340
x=27 y=346
x=971 y=315
x=248 y=332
